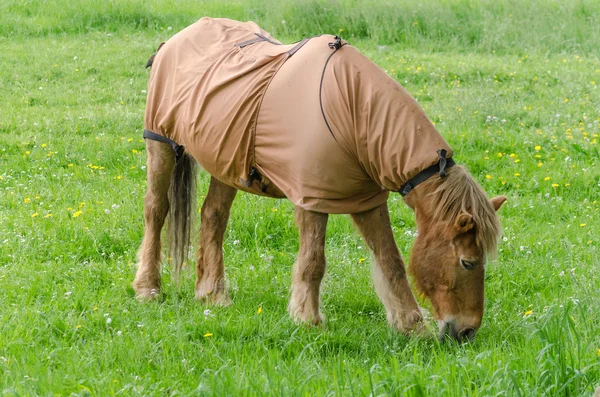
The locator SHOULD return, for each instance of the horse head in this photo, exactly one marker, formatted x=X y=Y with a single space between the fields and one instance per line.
x=458 y=230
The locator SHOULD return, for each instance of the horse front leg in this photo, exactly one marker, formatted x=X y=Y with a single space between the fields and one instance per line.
x=309 y=268
x=161 y=160
x=210 y=269
x=389 y=274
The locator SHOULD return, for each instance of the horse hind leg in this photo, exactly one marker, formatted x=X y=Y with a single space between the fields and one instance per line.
x=309 y=269
x=389 y=274
x=210 y=269
x=161 y=161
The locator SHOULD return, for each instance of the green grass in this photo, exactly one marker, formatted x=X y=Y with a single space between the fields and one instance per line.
x=518 y=101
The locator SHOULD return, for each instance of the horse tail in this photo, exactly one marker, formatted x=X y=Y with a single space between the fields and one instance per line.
x=182 y=192
x=151 y=59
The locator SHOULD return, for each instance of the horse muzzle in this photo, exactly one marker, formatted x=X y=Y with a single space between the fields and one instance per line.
x=448 y=329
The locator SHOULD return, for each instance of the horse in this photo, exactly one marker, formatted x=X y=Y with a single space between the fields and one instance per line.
x=320 y=124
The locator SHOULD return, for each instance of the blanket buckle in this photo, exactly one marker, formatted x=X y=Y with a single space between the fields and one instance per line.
x=337 y=44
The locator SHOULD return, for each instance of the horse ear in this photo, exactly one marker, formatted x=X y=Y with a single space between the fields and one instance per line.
x=498 y=201
x=464 y=223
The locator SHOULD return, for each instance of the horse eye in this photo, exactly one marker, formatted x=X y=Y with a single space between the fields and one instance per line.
x=467 y=265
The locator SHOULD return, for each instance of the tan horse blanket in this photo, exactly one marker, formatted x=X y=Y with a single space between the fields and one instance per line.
x=316 y=121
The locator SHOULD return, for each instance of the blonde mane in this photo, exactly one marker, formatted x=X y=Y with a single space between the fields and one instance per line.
x=457 y=193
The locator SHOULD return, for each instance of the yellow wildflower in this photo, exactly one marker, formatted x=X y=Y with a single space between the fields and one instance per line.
x=34 y=214
x=582 y=224
x=44 y=145
x=517 y=174
x=547 y=178
x=47 y=216
x=538 y=148
x=207 y=335
x=540 y=164
x=76 y=214
x=259 y=311
x=488 y=177
x=555 y=185
x=27 y=200
x=528 y=313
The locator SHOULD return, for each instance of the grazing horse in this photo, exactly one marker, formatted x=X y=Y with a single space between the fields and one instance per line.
x=320 y=124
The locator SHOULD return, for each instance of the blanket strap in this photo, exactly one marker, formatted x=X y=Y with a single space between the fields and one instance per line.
x=251 y=41
x=178 y=149
x=259 y=37
x=335 y=46
x=298 y=46
x=438 y=168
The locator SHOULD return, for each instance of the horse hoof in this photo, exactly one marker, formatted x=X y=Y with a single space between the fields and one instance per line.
x=147 y=294
x=303 y=318
x=218 y=299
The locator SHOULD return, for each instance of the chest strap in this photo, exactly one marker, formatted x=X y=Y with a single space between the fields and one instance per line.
x=440 y=167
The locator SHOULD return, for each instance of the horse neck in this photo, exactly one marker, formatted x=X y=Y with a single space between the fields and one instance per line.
x=383 y=126
x=401 y=141
x=419 y=200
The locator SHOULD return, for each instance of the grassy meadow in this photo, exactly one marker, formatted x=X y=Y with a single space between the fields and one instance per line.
x=512 y=86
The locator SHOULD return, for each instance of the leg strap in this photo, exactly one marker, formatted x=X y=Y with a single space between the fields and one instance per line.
x=178 y=149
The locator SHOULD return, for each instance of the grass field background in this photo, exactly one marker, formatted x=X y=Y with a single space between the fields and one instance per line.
x=512 y=86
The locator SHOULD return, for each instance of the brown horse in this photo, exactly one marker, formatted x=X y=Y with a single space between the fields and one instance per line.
x=320 y=124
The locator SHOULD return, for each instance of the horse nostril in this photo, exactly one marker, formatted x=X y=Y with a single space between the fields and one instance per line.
x=467 y=334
